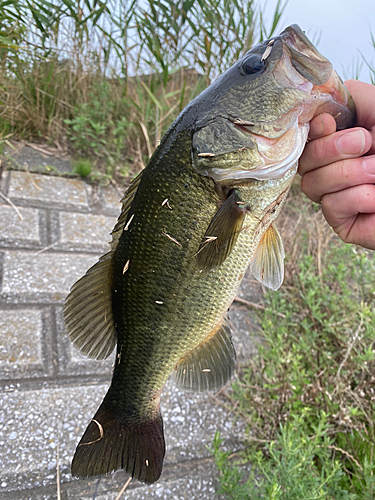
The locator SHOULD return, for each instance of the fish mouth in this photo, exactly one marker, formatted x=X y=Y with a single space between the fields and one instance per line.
x=302 y=68
x=305 y=58
x=318 y=74
x=341 y=107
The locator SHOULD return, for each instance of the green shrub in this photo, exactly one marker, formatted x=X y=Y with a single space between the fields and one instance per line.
x=315 y=366
x=296 y=466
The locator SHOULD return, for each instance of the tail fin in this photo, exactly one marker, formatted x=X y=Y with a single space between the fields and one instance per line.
x=111 y=443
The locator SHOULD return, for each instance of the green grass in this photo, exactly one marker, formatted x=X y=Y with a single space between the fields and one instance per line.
x=308 y=397
x=82 y=167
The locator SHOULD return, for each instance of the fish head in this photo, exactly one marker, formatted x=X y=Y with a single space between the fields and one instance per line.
x=253 y=121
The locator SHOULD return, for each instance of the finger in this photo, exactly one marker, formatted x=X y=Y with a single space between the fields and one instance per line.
x=323 y=124
x=358 y=229
x=351 y=213
x=364 y=98
x=338 y=176
x=331 y=148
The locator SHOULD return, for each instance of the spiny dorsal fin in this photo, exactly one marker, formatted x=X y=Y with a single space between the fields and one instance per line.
x=126 y=201
x=268 y=262
x=221 y=234
x=210 y=365
x=88 y=308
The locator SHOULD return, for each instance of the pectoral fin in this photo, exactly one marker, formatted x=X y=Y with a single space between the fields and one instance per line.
x=221 y=234
x=268 y=262
x=210 y=365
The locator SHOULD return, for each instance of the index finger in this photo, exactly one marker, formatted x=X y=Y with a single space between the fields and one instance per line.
x=364 y=98
x=328 y=149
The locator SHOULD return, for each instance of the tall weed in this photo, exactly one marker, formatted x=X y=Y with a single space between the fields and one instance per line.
x=112 y=76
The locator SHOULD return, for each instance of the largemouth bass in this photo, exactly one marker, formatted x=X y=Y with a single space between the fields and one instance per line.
x=192 y=222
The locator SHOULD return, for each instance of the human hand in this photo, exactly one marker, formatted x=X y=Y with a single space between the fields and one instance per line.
x=338 y=169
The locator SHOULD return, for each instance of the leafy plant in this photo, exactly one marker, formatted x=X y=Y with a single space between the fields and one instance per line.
x=315 y=364
x=297 y=465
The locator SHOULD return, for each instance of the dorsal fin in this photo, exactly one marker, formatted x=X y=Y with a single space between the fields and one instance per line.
x=88 y=313
x=222 y=234
x=268 y=262
x=210 y=365
x=126 y=201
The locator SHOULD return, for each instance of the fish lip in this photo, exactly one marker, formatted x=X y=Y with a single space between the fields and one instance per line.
x=345 y=113
x=296 y=38
x=315 y=68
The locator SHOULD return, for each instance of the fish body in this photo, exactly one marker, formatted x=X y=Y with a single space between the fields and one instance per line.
x=192 y=222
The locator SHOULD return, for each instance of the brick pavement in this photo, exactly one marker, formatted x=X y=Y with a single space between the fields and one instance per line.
x=49 y=391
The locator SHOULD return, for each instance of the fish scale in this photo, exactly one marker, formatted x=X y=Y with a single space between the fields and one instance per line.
x=193 y=221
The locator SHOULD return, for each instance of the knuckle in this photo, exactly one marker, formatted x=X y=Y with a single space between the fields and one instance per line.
x=328 y=204
x=318 y=150
x=308 y=187
x=342 y=170
x=344 y=232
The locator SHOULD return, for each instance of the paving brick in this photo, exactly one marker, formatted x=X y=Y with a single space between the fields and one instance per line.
x=243 y=328
x=16 y=231
x=28 y=276
x=198 y=483
x=33 y=423
x=111 y=198
x=39 y=494
x=47 y=191
x=72 y=362
x=190 y=422
x=22 y=155
x=21 y=342
x=85 y=231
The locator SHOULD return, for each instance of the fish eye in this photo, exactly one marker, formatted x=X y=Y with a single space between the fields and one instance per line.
x=253 y=64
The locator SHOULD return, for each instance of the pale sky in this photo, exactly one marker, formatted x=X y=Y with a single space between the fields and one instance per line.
x=342 y=25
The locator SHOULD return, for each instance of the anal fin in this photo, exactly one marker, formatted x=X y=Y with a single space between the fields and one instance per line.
x=268 y=262
x=210 y=365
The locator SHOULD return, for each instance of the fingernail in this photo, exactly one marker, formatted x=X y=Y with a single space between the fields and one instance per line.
x=368 y=165
x=352 y=143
